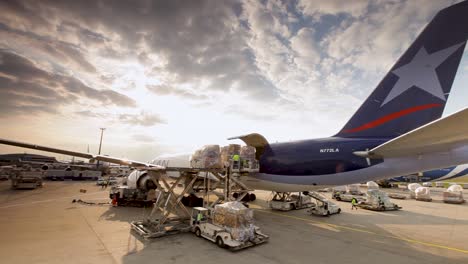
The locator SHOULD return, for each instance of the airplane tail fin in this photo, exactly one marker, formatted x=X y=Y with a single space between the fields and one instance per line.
x=415 y=90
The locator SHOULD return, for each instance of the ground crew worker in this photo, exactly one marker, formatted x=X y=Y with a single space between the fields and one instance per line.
x=199 y=217
x=354 y=203
x=235 y=159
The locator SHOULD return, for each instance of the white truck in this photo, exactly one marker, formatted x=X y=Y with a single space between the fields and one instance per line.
x=26 y=179
x=230 y=230
x=321 y=205
x=377 y=200
x=284 y=201
x=346 y=197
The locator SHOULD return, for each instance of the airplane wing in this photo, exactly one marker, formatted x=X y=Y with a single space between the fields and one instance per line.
x=120 y=161
x=438 y=136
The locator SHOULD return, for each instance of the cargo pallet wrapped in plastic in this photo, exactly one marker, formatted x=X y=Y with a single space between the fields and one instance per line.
x=208 y=157
x=454 y=194
x=339 y=189
x=247 y=155
x=353 y=189
x=225 y=156
x=412 y=188
x=423 y=194
x=236 y=218
x=371 y=185
x=378 y=200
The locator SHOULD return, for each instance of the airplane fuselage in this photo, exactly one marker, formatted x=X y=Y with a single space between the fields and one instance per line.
x=313 y=164
x=317 y=156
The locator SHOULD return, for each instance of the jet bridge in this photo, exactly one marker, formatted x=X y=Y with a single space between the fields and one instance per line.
x=170 y=216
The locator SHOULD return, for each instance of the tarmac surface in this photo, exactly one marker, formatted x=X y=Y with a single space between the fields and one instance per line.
x=44 y=226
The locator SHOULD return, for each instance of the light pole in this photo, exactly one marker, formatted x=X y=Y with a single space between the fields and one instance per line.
x=100 y=145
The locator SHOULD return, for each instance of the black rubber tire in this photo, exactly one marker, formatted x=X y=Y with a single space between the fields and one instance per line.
x=235 y=195
x=339 y=210
x=252 y=197
x=338 y=198
x=220 y=242
x=198 y=232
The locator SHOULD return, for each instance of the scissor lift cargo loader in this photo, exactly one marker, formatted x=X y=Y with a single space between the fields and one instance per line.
x=169 y=215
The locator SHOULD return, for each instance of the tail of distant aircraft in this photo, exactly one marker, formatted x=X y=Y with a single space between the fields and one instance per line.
x=417 y=87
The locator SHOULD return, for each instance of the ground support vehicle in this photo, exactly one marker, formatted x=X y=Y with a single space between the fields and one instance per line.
x=170 y=215
x=377 y=200
x=286 y=201
x=397 y=196
x=322 y=206
x=107 y=180
x=125 y=196
x=345 y=197
x=26 y=178
x=225 y=232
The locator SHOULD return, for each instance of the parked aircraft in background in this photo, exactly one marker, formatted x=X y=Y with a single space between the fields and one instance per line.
x=397 y=130
x=450 y=173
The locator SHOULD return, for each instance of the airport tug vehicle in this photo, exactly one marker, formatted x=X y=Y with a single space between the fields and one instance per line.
x=228 y=225
x=322 y=206
x=346 y=197
x=377 y=200
x=286 y=201
x=26 y=177
x=319 y=205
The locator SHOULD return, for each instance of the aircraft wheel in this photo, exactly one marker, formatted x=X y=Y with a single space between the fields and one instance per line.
x=339 y=210
x=198 y=232
x=219 y=242
x=252 y=197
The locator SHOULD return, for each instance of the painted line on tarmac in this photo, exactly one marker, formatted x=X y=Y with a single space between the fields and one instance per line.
x=414 y=241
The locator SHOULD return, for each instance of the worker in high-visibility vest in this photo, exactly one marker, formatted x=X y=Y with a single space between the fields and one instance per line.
x=235 y=161
x=354 y=203
x=199 y=217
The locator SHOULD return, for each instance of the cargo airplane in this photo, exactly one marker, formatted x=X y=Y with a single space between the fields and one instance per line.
x=450 y=173
x=397 y=130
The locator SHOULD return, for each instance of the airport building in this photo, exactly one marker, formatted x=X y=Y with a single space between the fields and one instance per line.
x=16 y=158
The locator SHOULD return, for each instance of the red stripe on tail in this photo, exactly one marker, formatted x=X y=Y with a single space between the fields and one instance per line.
x=390 y=117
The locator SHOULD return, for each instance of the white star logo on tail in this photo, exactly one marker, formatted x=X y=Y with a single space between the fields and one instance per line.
x=421 y=72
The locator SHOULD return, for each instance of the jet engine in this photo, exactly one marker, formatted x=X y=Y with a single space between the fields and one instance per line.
x=140 y=180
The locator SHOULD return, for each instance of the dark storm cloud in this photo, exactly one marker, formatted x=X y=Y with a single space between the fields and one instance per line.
x=25 y=88
x=201 y=41
x=63 y=51
x=83 y=33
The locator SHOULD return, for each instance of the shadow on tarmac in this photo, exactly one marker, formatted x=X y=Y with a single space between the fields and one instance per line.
x=295 y=240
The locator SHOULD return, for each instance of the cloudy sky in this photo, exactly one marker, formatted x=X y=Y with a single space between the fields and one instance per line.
x=170 y=76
